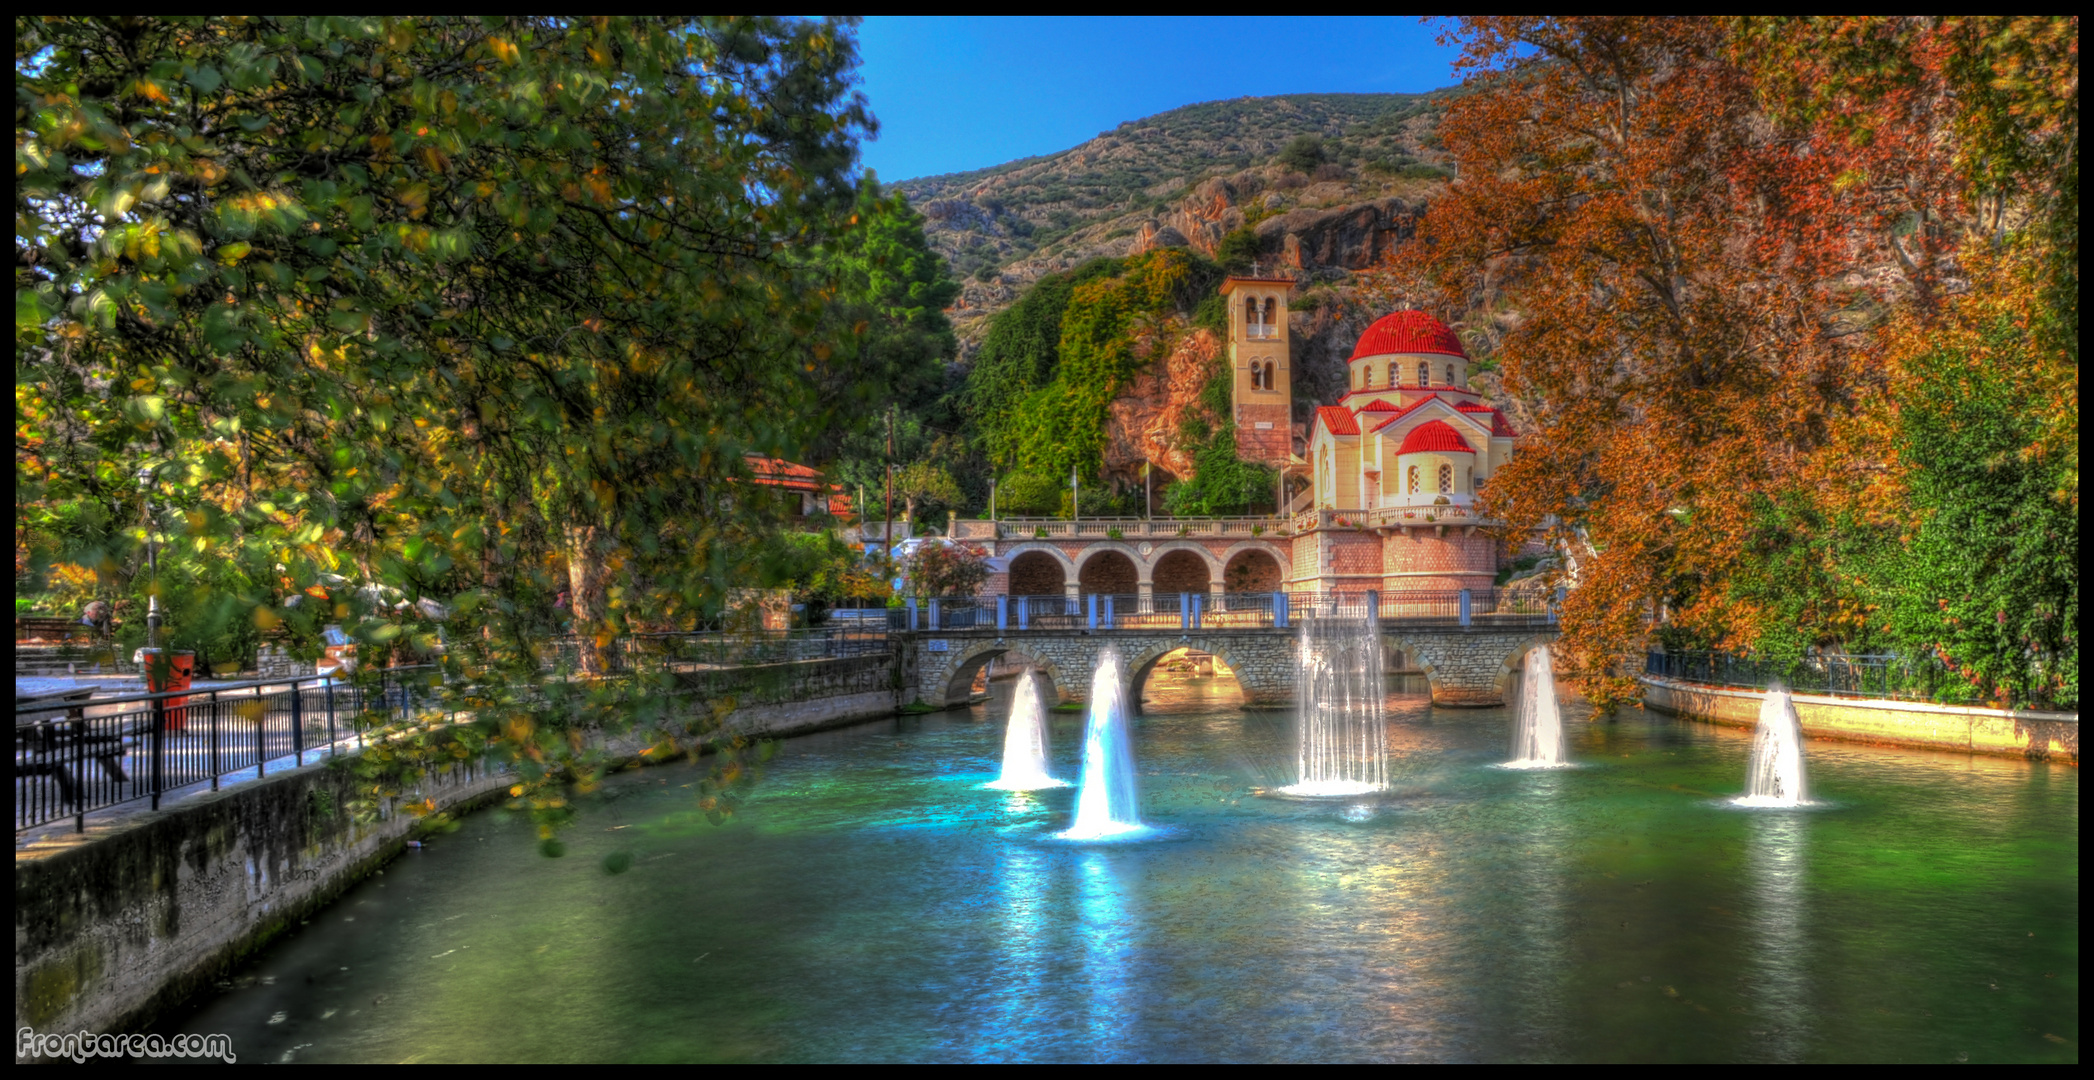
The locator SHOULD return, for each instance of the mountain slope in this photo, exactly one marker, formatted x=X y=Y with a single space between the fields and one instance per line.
x=1188 y=177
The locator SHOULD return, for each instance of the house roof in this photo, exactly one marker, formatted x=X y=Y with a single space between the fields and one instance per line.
x=1408 y=332
x=1338 y=419
x=777 y=472
x=1434 y=437
x=1500 y=427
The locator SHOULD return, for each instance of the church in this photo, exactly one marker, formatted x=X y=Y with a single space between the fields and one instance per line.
x=1393 y=471
x=1394 y=467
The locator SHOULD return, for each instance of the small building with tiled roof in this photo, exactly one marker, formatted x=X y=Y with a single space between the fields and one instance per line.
x=1405 y=453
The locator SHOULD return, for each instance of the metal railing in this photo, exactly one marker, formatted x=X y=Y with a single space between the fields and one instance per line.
x=856 y=635
x=1871 y=676
x=74 y=753
x=1488 y=608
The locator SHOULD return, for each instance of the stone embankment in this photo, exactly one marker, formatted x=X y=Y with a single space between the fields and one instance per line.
x=114 y=926
x=2042 y=736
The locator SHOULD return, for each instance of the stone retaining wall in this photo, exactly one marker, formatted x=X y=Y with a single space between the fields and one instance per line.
x=116 y=925
x=2040 y=736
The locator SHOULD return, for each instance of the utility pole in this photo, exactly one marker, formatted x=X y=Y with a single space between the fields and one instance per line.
x=1075 y=503
x=1148 y=496
x=887 y=532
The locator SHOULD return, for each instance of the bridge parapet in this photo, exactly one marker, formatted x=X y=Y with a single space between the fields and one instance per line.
x=1471 y=666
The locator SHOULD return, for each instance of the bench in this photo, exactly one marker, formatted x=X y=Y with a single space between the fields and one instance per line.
x=50 y=730
x=50 y=628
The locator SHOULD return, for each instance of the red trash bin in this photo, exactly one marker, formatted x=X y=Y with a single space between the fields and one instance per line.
x=170 y=674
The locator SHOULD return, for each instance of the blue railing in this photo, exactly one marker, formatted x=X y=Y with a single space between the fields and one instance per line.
x=1494 y=608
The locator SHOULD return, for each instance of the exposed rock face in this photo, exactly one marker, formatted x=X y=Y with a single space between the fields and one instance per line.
x=1146 y=415
x=1357 y=236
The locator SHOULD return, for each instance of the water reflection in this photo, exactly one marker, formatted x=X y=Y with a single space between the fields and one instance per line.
x=1778 y=969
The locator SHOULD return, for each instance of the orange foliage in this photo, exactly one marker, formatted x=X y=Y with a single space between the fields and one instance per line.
x=1694 y=278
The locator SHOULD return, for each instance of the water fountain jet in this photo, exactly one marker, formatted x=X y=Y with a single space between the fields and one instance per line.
x=1107 y=803
x=1537 y=735
x=1025 y=741
x=1776 y=776
x=1344 y=745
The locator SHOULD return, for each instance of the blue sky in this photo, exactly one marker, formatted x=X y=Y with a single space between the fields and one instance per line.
x=962 y=93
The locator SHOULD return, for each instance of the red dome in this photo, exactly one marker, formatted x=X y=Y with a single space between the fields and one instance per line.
x=1408 y=332
x=1434 y=436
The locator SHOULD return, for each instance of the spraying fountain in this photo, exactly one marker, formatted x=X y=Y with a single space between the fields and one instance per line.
x=1344 y=746
x=1107 y=804
x=1537 y=736
x=1776 y=776
x=1025 y=741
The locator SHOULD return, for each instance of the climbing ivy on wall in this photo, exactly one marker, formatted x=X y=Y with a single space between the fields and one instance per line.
x=1221 y=483
x=1041 y=409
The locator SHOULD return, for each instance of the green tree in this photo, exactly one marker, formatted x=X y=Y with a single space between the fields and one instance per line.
x=1303 y=153
x=447 y=303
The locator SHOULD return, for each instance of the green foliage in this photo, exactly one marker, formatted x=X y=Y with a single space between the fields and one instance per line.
x=1222 y=484
x=1989 y=581
x=1238 y=250
x=1303 y=153
x=1025 y=494
x=939 y=568
x=466 y=308
x=1041 y=389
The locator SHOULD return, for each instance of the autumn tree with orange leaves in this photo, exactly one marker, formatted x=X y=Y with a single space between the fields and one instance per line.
x=1701 y=268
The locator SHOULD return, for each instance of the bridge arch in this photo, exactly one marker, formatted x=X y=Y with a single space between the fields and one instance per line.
x=974 y=656
x=1508 y=668
x=1466 y=670
x=1249 y=669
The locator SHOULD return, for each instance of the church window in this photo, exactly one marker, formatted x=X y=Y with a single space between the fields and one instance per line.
x=1250 y=316
x=1424 y=374
x=1446 y=479
x=1268 y=375
x=1450 y=374
x=1413 y=477
x=1272 y=314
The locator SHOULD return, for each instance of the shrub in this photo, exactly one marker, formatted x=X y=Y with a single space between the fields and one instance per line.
x=1303 y=153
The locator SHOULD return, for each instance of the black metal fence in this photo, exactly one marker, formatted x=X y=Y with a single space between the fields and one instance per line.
x=74 y=753
x=1873 y=676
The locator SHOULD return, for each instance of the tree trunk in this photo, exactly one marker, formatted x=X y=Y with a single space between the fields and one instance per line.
x=585 y=590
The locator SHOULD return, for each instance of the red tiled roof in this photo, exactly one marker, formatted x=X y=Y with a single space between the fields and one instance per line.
x=1409 y=409
x=1338 y=419
x=1500 y=428
x=1408 y=332
x=1380 y=405
x=1434 y=437
x=776 y=472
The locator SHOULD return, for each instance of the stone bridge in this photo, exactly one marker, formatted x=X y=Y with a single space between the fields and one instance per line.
x=1470 y=666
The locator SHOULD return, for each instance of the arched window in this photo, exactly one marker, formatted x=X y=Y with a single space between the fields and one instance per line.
x=1250 y=315
x=1446 y=479
x=1450 y=374
x=1393 y=375
x=1269 y=375
x=1412 y=476
x=1424 y=374
x=1272 y=314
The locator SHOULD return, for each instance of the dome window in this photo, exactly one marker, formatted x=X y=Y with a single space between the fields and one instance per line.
x=1424 y=374
x=1446 y=479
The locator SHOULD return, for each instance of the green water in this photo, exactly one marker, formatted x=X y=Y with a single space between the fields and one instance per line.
x=874 y=903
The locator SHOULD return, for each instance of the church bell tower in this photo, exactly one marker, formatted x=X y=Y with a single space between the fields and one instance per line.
x=1261 y=387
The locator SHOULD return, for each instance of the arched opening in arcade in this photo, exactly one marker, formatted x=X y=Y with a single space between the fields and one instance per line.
x=1037 y=573
x=1187 y=677
x=1251 y=571
x=1107 y=573
x=1181 y=571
